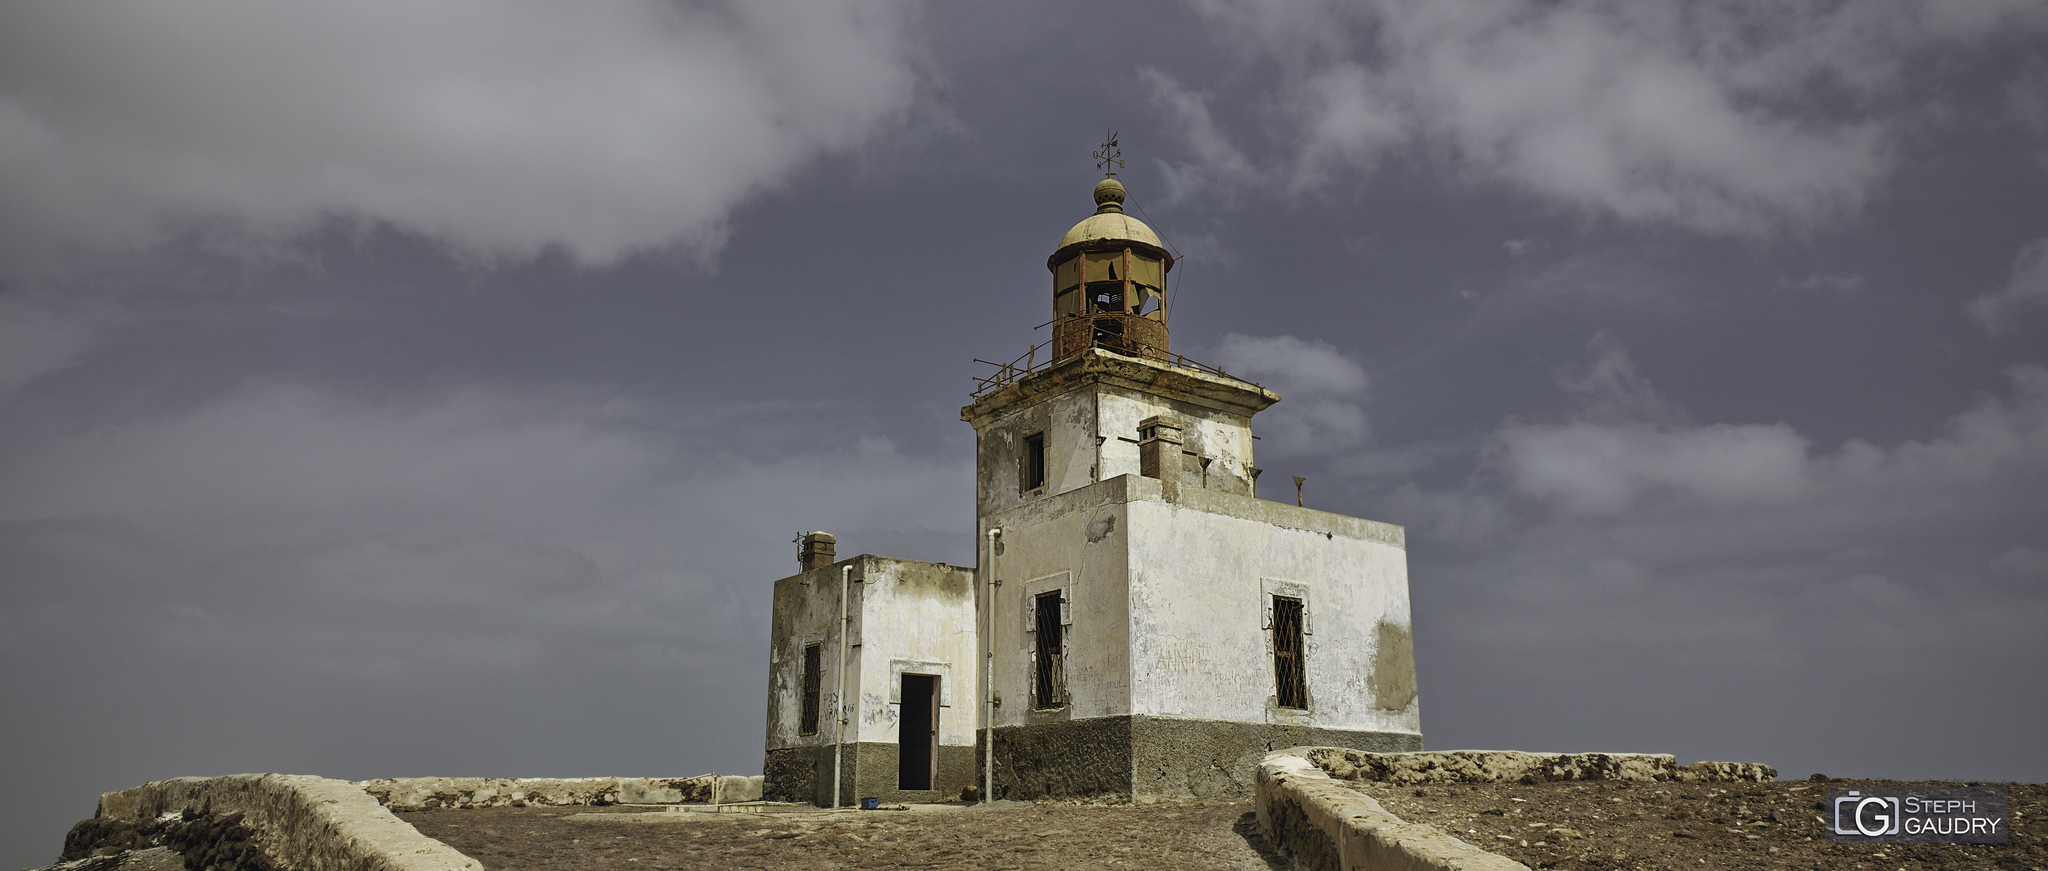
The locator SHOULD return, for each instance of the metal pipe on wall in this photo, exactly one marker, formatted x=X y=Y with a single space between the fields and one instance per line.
x=988 y=673
x=839 y=698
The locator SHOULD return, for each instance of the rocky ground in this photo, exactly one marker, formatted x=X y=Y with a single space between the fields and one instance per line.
x=1604 y=825
x=1573 y=825
x=192 y=840
x=1005 y=835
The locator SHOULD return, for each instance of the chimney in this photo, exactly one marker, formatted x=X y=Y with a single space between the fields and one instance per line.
x=1159 y=453
x=1159 y=447
x=820 y=549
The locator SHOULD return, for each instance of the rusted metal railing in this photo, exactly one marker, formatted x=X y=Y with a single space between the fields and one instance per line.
x=1031 y=362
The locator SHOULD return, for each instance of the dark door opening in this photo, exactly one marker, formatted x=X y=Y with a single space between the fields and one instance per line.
x=917 y=735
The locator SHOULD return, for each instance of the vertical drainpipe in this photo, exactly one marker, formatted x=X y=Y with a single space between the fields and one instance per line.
x=839 y=730
x=988 y=674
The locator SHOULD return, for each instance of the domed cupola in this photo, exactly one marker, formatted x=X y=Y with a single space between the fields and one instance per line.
x=1109 y=282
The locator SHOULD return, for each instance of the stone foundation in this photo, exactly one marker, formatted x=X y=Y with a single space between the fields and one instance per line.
x=867 y=770
x=1128 y=756
x=421 y=793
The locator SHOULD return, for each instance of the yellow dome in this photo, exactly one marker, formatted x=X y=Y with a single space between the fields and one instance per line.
x=1109 y=220
x=1110 y=225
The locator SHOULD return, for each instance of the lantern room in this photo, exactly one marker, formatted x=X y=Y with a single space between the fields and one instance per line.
x=1109 y=283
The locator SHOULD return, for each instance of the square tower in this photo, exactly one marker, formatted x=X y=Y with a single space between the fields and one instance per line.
x=1151 y=627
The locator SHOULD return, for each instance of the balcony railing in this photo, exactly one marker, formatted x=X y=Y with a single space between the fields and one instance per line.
x=1079 y=334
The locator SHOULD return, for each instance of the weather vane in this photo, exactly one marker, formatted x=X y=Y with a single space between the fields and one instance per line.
x=1109 y=158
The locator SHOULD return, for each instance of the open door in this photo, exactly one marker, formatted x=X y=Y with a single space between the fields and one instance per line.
x=917 y=736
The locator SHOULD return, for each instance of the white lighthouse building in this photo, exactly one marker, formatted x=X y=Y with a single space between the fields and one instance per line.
x=1140 y=622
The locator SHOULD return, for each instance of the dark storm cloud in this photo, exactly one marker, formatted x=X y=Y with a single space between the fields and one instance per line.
x=1726 y=118
x=499 y=129
x=357 y=417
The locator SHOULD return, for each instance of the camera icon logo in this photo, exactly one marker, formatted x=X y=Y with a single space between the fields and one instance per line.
x=1869 y=815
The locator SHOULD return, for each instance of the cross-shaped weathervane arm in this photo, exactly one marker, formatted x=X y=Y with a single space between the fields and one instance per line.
x=1109 y=158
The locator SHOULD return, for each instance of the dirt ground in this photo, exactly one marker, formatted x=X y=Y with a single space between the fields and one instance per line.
x=1005 y=835
x=1604 y=825
x=1577 y=826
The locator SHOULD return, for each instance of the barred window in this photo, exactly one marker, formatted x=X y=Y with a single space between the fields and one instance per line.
x=1048 y=688
x=1290 y=674
x=813 y=656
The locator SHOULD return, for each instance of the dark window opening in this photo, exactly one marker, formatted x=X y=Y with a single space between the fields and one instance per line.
x=1048 y=688
x=812 y=680
x=917 y=733
x=1034 y=461
x=1106 y=297
x=1290 y=676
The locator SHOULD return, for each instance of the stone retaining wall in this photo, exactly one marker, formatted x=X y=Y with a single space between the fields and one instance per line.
x=306 y=823
x=1306 y=811
x=420 y=793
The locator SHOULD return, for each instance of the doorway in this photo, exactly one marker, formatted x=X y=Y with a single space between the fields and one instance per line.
x=917 y=735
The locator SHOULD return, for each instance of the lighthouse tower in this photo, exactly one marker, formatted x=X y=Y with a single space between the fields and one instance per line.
x=1139 y=622
x=1147 y=625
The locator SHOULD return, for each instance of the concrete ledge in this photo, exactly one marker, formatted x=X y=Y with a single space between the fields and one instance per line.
x=1306 y=811
x=421 y=793
x=1326 y=826
x=306 y=823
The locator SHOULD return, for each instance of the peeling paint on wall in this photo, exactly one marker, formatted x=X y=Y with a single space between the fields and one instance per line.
x=1100 y=528
x=1393 y=670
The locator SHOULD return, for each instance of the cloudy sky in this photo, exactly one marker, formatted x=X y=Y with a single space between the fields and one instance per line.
x=390 y=389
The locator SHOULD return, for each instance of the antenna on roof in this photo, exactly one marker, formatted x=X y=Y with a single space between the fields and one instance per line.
x=1109 y=158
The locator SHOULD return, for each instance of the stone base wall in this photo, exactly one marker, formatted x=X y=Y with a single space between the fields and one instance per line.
x=1064 y=759
x=867 y=770
x=1128 y=756
x=304 y=822
x=1306 y=811
x=1495 y=766
x=419 y=793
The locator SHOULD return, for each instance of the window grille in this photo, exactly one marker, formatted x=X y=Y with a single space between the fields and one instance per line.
x=1290 y=675
x=1048 y=689
x=813 y=655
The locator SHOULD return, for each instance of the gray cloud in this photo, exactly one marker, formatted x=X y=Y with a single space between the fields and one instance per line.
x=391 y=497
x=2025 y=288
x=1325 y=392
x=1710 y=117
x=1726 y=555
x=500 y=129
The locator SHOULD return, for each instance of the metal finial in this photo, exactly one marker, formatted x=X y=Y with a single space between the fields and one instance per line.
x=1109 y=158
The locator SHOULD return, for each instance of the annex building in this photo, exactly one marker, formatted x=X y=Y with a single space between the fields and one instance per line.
x=1139 y=624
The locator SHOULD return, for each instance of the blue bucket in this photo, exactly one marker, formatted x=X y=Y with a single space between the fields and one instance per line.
x=868 y=804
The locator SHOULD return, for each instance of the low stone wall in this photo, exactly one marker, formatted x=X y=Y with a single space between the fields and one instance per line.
x=421 y=793
x=1306 y=811
x=1495 y=766
x=305 y=823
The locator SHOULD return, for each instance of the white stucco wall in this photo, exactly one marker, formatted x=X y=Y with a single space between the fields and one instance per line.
x=915 y=618
x=906 y=616
x=1074 y=540
x=1225 y=438
x=1202 y=577
x=1091 y=429
x=804 y=613
x=1167 y=603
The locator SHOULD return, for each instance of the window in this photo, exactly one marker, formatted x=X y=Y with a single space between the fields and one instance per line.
x=1290 y=675
x=1034 y=461
x=813 y=655
x=1048 y=687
